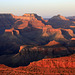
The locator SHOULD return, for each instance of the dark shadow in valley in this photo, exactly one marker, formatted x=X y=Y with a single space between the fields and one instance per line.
x=12 y=57
x=8 y=49
x=35 y=53
x=66 y=34
x=33 y=36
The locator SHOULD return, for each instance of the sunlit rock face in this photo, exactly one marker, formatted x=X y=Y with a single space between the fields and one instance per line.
x=32 y=29
x=52 y=43
x=10 y=19
x=39 y=46
x=12 y=31
x=29 y=17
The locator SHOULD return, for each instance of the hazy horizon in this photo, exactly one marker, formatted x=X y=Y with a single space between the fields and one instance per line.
x=44 y=8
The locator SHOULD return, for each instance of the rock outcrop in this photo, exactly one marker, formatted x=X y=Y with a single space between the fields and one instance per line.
x=60 y=22
x=52 y=43
x=29 y=54
x=59 y=17
x=68 y=31
x=12 y=31
x=9 y=31
x=33 y=43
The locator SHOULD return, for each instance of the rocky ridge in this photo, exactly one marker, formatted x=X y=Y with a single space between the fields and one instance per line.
x=63 y=65
x=43 y=47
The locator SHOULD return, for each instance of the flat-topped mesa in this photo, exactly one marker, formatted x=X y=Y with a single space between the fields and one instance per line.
x=32 y=16
x=29 y=17
x=59 y=17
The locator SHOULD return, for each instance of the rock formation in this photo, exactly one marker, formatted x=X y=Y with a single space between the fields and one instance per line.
x=62 y=65
x=12 y=31
x=40 y=46
x=59 y=17
x=52 y=43
x=60 y=22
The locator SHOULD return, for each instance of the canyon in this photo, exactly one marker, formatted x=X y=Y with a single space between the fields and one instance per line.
x=31 y=45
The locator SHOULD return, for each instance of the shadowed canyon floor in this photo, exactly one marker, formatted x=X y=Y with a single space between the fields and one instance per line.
x=30 y=45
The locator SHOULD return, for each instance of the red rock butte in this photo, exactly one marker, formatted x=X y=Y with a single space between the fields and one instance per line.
x=59 y=17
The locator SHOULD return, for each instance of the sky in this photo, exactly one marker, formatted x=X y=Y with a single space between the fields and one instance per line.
x=44 y=8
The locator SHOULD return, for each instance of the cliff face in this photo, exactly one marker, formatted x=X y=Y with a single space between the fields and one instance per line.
x=8 y=21
x=32 y=29
x=30 y=38
x=48 y=66
x=32 y=17
x=11 y=17
x=27 y=16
